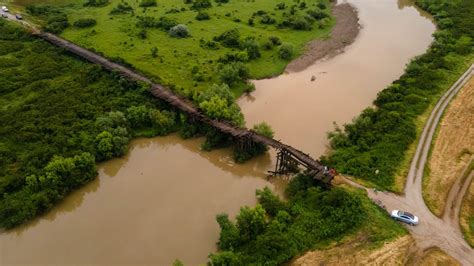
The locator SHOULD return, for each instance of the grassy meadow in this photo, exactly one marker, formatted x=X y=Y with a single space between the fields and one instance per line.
x=184 y=62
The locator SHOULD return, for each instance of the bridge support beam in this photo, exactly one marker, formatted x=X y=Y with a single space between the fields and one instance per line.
x=285 y=163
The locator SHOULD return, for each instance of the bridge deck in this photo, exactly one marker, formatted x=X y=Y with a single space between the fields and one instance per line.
x=181 y=103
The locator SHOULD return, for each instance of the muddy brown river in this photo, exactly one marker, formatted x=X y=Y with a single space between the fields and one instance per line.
x=158 y=203
x=302 y=111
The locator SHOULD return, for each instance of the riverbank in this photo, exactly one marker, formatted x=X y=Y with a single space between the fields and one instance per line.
x=344 y=33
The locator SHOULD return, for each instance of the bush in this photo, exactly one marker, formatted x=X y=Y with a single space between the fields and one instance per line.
x=96 y=3
x=267 y=45
x=275 y=40
x=233 y=72
x=57 y=23
x=202 y=16
x=85 y=23
x=229 y=38
x=286 y=51
x=266 y=19
x=121 y=8
x=179 y=31
x=148 y=3
x=201 y=4
x=252 y=47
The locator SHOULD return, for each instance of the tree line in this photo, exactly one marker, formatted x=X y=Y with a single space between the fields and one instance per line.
x=373 y=145
x=275 y=231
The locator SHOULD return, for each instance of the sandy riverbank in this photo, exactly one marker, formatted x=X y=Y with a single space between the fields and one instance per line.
x=343 y=34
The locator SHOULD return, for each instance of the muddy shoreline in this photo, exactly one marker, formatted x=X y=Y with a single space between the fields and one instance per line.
x=343 y=34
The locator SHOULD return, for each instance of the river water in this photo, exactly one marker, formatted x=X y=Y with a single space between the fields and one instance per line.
x=159 y=202
x=302 y=111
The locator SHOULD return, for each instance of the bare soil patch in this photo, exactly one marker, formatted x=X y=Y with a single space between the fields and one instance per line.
x=435 y=256
x=358 y=253
x=452 y=150
x=343 y=34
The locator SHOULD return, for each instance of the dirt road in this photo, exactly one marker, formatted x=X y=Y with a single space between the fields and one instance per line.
x=432 y=231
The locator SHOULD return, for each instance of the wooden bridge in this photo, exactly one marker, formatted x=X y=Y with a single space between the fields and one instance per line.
x=288 y=157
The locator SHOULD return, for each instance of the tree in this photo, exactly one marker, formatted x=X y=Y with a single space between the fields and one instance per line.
x=250 y=222
x=234 y=72
x=226 y=258
x=162 y=121
x=104 y=145
x=229 y=38
x=270 y=202
x=111 y=120
x=252 y=47
x=138 y=116
x=229 y=236
x=286 y=51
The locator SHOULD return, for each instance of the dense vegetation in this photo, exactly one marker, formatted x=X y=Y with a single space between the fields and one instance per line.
x=59 y=116
x=184 y=44
x=275 y=231
x=373 y=146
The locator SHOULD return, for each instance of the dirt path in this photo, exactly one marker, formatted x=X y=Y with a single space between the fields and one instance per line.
x=432 y=231
x=342 y=34
x=451 y=151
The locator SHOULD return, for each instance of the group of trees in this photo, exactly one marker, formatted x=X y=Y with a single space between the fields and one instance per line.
x=166 y=24
x=373 y=146
x=298 y=17
x=59 y=117
x=275 y=231
x=55 y=20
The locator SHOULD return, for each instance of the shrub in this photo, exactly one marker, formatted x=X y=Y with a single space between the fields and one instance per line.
x=317 y=14
x=211 y=45
x=57 y=23
x=179 y=31
x=201 y=4
x=148 y=3
x=121 y=8
x=202 y=16
x=267 y=45
x=230 y=38
x=266 y=19
x=286 y=51
x=85 y=23
x=275 y=40
x=96 y=3
x=241 y=56
x=233 y=72
x=252 y=47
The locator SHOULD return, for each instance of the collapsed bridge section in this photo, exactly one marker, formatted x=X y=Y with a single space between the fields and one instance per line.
x=288 y=157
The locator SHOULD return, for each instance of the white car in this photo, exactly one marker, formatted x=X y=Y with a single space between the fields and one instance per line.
x=405 y=217
x=4 y=9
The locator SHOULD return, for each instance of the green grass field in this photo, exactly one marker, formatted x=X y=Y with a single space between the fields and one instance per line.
x=118 y=36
